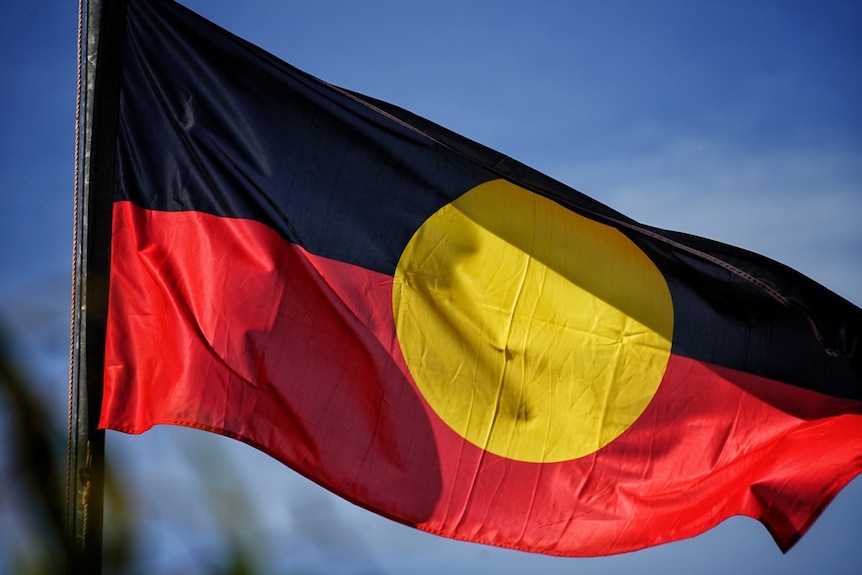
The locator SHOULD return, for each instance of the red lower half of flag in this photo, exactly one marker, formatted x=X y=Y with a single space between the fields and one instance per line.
x=221 y=324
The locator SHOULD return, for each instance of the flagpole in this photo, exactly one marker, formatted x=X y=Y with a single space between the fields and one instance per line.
x=101 y=30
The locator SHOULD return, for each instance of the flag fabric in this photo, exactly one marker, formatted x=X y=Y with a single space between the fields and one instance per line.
x=442 y=335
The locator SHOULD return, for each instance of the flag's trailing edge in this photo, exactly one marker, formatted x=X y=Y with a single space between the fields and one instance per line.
x=442 y=335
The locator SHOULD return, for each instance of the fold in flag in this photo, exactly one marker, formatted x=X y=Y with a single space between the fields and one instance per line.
x=442 y=335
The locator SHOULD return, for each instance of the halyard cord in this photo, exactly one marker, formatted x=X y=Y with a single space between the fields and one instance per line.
x=771 y=291
x=74 y=254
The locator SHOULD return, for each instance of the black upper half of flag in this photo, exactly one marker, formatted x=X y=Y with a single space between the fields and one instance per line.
x=211 y=123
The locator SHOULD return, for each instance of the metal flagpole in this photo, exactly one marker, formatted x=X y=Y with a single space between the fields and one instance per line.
x=101 y=31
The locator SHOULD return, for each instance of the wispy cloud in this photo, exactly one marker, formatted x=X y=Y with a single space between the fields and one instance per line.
x=800 y=206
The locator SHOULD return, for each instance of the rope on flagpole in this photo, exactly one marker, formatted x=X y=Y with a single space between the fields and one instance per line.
x=101 y=35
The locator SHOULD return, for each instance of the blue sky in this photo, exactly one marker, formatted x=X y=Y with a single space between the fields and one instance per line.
x=738 y=121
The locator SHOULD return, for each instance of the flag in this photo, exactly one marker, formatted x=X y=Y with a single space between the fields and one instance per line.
x=443 y=335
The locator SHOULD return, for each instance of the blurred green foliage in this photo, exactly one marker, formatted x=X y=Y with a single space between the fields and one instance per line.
x=32 y=493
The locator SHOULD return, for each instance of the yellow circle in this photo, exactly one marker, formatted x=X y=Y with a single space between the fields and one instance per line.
x=535 y=333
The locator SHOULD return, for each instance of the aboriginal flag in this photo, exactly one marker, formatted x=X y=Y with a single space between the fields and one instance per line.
x=442 y=335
